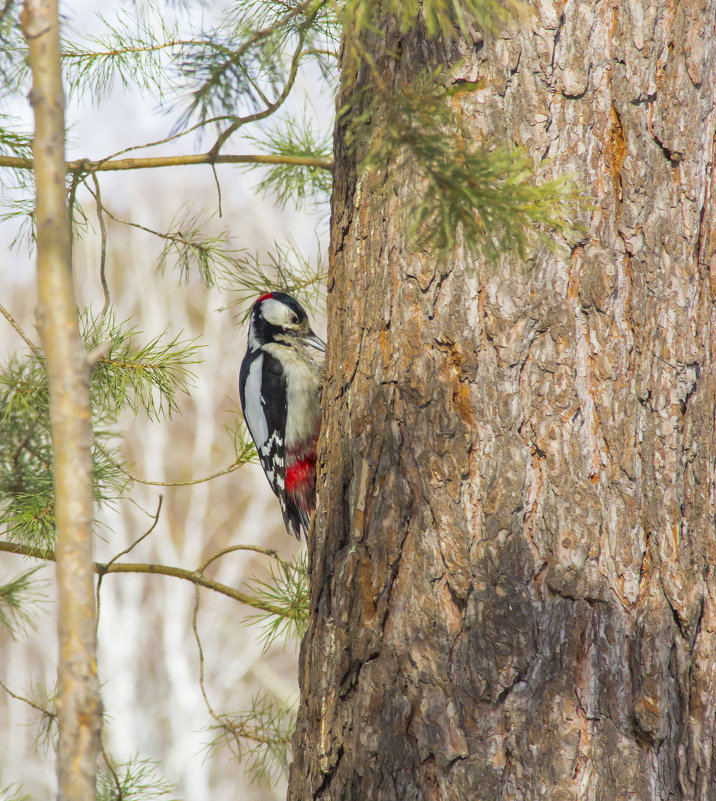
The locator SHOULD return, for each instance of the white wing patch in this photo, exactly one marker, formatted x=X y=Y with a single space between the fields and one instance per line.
x=253 y=410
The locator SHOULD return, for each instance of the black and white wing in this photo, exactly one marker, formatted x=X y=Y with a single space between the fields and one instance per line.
x=262 y=379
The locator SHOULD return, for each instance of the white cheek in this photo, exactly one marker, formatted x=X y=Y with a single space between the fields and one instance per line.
x=275 y=312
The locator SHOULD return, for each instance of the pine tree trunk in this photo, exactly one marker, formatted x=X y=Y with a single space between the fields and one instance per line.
x=79 y=712
x=513 y=591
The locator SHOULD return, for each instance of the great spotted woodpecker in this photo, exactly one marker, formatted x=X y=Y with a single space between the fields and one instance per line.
x=280 y=389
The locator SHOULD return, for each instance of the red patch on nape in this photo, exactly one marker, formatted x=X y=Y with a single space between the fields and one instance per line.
x=300 y=475
x=264 y=297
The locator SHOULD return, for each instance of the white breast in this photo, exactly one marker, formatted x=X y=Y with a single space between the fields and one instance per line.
x=303 y=385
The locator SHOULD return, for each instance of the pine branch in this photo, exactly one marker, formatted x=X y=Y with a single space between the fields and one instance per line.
x=147 y=376
x=117 y=556
x=151 y=162
x=43 y=708
x=193 y=576
x=464 y=192
x=221 y=75
x=13 y=142
x=286 y=591
x=189 y=244
x=270 y=108
x=440 y=17
x=103 y=247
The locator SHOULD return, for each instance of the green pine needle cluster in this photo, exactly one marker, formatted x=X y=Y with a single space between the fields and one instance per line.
x=134 y=51
x=444 y=18
x=146 y=378
x=188 y=246
x=284 y=268
x=244 y=447
x=191 y=248
x=13 y=141
x=134 y=780
x=286 y=589
x=12 y=51
x=260 y=737
x=487 y=200
x=286 y=183
x=19 y=602
x=27 y=506
x=241 y=67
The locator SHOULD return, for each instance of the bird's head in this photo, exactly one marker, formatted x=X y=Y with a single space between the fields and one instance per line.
x=277 y=315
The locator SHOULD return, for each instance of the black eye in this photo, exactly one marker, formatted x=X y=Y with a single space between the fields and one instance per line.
x=293 y=319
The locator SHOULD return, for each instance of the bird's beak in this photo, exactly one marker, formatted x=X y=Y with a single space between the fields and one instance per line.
x=311 y=339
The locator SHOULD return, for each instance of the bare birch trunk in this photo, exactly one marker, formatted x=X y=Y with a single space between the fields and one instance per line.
x=78 y=705
x=513 y=590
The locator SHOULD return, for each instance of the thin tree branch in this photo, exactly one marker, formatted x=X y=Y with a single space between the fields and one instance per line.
x=195 y=617
x=217 y=183
x=6 y=314
x=229 y=469
x=166 y=139
x=193 y=576
x=270 y=109
x=111 y=769
x=170 y=237
x=253 y=40
x=27 y=550
x=126 y=551
x=151 y=162
x=233 y=548
x=103 y=247
x=37 y=707
x=200 y=649
x=119 y=51
x=71 y=199
x=316 y=51
x=142 y=537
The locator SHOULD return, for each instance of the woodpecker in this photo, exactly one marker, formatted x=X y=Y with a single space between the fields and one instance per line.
x=280 y=390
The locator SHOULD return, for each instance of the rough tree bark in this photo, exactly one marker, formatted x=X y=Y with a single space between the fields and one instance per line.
x=512 y=584
x=78 y=705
